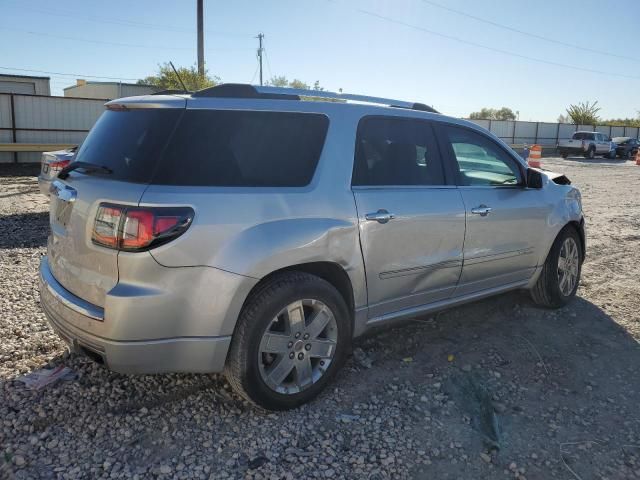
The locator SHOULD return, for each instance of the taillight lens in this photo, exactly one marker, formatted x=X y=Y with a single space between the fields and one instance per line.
x=59 y=165
x=137 y=229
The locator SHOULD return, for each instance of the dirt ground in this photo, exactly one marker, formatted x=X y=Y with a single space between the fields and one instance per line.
x=496 y=389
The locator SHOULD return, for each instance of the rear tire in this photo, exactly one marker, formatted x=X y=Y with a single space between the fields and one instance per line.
x=612 y=155
x=274 y=320
x=564 y=155
x=560 y=276
x=591 y=153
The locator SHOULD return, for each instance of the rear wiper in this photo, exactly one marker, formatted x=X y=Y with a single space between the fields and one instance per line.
x=86 y=166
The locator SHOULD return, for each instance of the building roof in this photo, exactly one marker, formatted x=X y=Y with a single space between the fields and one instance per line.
x=23 y=76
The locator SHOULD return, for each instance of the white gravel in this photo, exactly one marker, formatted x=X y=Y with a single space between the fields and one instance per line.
x=498 y=389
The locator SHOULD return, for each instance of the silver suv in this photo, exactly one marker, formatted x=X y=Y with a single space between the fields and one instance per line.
x=249 y=230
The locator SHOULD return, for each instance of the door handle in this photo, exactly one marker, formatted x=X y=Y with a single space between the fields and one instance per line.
x=481 y=210
x=381 y=216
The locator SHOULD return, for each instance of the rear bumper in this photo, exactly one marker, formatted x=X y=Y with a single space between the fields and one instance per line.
x=76 y=321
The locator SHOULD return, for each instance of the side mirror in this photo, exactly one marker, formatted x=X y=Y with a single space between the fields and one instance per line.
x=534 y=178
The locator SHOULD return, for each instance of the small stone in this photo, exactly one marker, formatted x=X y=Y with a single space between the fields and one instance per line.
x=19 y=460
x=513 y=467
x=485 y=457
x=165 y=469
x=329 y=473
x=466 y=368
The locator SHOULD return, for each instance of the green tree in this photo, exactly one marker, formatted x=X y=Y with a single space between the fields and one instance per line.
x=295 y=83
x=584 y=113
x=278 y=81
x=166 y=78
x=564 y=119
x=503 y=113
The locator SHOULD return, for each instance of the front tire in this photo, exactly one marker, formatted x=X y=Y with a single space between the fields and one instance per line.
x=292 y=337
x=560 y=276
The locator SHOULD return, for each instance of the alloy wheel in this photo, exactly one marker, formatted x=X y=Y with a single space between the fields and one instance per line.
x=298 y=346
x=568 y=266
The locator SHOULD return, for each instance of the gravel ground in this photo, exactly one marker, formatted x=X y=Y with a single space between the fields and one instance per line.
x=498 y=389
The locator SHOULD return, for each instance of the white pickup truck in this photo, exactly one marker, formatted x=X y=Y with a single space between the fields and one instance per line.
x=588 y=144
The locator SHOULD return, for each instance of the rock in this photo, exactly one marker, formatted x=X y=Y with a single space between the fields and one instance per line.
x=165 y=469
x=362 y=358
x=485 y=457
x=19 y=460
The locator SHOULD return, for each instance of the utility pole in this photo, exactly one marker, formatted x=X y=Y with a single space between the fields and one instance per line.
x=260 y=37
x=200 y=39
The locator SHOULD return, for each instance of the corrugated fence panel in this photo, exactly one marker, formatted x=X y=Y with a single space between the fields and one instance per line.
x=56 y=112
x=566 y=131
x=587 y=128
x=617 y=132
x=547 y=133
x=632 y=132
x=503 y=129
x=5 y=111
x=5 y=137
x=525 y=132
x=604 y=129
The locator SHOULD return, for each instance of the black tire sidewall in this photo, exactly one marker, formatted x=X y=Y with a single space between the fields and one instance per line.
x=279 y=298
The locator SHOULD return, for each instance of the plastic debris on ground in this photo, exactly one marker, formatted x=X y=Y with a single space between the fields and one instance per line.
x=39 y=379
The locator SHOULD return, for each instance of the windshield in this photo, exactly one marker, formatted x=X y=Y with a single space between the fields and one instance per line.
x=129 y=142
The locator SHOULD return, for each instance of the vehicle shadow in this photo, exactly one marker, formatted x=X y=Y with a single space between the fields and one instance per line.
x=558 y=376
x=597 y=161
x=24 y=230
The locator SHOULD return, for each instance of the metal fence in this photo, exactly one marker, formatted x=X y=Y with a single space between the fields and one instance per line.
x=547 y=134
x=39 y=119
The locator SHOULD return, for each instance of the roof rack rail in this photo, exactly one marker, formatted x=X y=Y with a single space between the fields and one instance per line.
x=241 y=90
x=171 y=91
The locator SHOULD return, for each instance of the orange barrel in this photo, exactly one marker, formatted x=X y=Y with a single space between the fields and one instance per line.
x=535 y=156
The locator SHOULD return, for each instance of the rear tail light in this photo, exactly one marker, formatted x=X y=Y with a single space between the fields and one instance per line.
x=136 y=229
x=56 y=166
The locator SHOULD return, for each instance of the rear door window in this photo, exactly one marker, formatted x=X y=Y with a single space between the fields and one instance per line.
x=129 y=142
x=234 y=148
x=396 y=151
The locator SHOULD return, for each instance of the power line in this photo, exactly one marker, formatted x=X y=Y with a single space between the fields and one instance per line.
x=498 y=50
x=128 y=23
x=266 y=57
x=100 y=42
x=76 y=75
x=529 y=34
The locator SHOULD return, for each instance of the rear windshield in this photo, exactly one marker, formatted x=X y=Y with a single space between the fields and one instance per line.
x=129 y=142
x=227 y=148
x=583 y=136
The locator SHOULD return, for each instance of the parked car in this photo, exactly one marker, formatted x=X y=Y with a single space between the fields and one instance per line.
x=51 y=164
x=626 y=147
x=588 y=144
x=243 y=229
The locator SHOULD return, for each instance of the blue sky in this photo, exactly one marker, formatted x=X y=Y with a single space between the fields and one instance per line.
x=417 y=51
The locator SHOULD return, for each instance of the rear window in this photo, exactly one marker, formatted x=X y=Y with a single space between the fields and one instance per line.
x=129 y=142
x=228 y=148
x=583 y=136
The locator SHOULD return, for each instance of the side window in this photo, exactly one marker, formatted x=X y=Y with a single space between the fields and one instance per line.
x=481 y=161
x=396 y=151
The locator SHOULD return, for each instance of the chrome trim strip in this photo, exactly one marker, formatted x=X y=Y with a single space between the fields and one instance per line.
x=65 y=297
x=417 y=270
x=498 y=256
